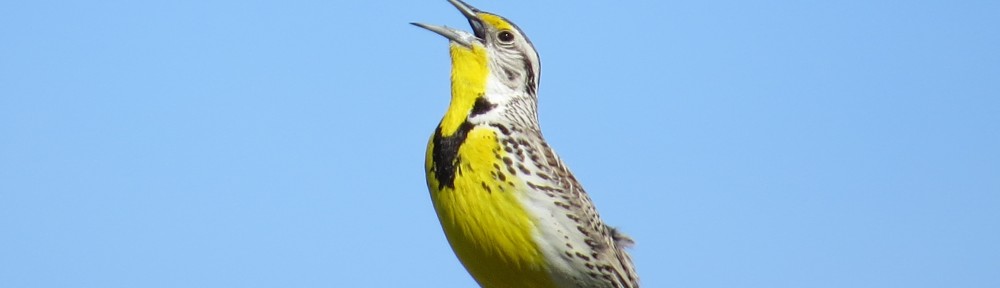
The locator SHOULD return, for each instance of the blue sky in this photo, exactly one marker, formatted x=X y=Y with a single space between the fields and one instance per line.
x=281 y=144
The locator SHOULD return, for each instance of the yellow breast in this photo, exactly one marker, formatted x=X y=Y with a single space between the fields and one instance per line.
x=486 y=225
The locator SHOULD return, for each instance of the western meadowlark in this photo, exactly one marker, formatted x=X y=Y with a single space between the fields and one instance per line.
x=513 y=213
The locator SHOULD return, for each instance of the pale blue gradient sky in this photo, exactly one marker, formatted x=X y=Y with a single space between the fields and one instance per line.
x=280 y=144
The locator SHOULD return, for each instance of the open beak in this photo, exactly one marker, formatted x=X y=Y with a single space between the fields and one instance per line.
x=458 y=36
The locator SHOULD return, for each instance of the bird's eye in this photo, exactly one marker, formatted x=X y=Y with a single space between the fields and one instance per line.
x=505 y=36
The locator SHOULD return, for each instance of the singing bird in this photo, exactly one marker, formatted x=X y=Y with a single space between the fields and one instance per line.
x=513 y=213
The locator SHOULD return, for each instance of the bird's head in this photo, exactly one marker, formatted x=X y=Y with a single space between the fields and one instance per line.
x=496 y=61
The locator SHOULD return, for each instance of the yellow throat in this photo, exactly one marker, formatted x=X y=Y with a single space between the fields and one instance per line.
x=489 y=230
x=513 y=213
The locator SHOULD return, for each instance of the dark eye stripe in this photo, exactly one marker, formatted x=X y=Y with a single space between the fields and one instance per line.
x=529 y=79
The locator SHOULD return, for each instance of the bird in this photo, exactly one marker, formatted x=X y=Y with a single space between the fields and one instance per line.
x=512 y=212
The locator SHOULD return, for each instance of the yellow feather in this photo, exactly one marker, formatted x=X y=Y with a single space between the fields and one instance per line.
x=468 y=82
x=496 y=21
x=489 y=230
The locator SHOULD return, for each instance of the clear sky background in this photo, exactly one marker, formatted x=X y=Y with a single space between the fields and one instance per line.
x=281 y=144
